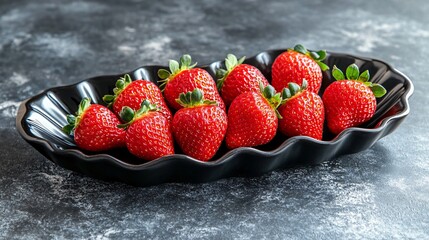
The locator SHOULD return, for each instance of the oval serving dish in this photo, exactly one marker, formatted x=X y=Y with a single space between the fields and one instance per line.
x=40 y=119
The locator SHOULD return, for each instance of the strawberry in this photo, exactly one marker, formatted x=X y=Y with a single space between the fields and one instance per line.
x=95 y=127
x=238 y=78
x=200 y=126
x=297 y=64
x=253 y=118
x=352 y=101
x=148 y=132
x=183 y=78
x=302 y=112
x=132 y=93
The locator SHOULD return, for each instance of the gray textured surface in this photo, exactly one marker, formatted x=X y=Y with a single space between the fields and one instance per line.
x=381 y=193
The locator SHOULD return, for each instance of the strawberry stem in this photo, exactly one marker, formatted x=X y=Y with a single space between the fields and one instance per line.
x=338 y=74
x=174 y=68
x=230 y=63
x=352 y=73
x=193 y=99
x=73 y=120
x=378 y=90
x=129 y=115
x=273 y=98
x=293 y=89
x=318 y=56
x=364 y=77
x=120 y=85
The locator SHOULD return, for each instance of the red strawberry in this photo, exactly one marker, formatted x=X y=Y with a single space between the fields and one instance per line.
x=148 y=132
x=252 y=118
x=238 y=78
x=297 y=64
x=183 y=78
x=95 y=127
x=200 y=126
x=302 y=112
x=352 y=101
x=132 y=93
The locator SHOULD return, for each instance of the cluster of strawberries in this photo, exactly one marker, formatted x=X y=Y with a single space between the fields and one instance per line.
x=241 y=108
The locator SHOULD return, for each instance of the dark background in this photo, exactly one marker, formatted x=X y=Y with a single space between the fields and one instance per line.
x=381 y=193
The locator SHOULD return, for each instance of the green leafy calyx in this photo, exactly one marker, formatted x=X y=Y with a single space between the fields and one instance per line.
x=175 y=68
x=193 y=99
x=273 y=98
x=318 y=56
x=292 y=90
x=231 y=62
x=353 y=73
x=73 y=120
x=120 y=85
x=128 y=115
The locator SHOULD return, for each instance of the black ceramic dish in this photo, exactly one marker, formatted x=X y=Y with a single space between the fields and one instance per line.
x=40 y=119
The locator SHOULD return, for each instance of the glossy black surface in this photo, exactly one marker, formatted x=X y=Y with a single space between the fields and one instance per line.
x=40 y=118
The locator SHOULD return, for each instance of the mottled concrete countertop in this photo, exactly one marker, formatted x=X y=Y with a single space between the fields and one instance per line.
x=380 y=193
